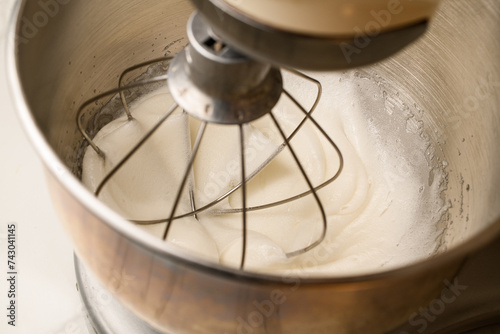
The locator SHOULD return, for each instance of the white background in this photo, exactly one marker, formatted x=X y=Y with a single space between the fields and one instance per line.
x=47 y=299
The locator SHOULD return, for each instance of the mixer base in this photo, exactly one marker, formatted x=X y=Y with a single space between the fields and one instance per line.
x=105 y=314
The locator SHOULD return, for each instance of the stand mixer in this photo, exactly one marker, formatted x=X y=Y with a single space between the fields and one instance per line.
x=246 y=43
x=216 y=83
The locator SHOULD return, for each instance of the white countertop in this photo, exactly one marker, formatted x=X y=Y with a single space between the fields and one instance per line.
x=47 y=299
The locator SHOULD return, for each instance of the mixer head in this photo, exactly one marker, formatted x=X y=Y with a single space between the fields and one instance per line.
x=318 y=34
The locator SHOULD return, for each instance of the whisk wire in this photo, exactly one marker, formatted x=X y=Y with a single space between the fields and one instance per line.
x=134 y=149
x=311 y=187
x=131 y=69
x=325 y=135
x=189 y=167
x=107 y=94
x=243 y=196
x=319 y=87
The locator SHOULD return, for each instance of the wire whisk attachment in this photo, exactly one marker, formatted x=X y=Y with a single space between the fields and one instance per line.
x=216 y=85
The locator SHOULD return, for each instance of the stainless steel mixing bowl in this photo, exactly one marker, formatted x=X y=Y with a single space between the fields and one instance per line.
x=61 y=52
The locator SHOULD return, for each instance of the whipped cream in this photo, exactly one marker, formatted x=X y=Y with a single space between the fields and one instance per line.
x=378 y=216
